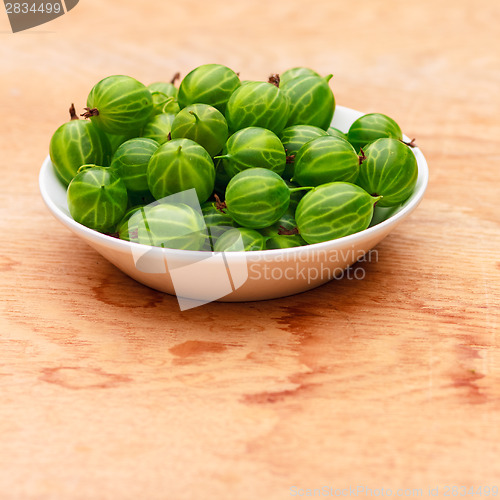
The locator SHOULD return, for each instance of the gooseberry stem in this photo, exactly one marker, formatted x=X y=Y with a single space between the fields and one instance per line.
x=220 y=205
x=222 y=157
x=72 y=112
x=288 y=232
x=195 y=115
x=292 y=190
x=90 y=112
x=362 y=156
x=328 y=77
x=275 y=80
x=290 y=159
x=175 y=78
x=411 y=144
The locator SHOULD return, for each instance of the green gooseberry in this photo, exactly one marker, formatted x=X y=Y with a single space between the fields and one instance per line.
x=257 y=197
x=335 y=132
x=253 y=147
x=390 y=170
x=370 y=127
x=334 y=210
x=97 y=198
x=217 y=222
x=326 y=159
x=311 y=101
x=293 y=138
x=258 y=104
x=210 y=84
x=124 y=229
x=203 y=124
x=292 y=73
x=240 y=239
x=119 y=105
x=159 y=127
x=165 y=96
x=131 y=160
x=179 y=165
x=77 y=143
x=169 y=225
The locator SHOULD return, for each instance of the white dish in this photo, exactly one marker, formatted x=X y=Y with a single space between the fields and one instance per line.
x=201 y=277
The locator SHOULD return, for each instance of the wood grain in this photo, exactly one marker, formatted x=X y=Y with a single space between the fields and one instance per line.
x=108 y=391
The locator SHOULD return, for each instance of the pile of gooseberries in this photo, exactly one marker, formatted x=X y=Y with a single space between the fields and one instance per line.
x=260 y=158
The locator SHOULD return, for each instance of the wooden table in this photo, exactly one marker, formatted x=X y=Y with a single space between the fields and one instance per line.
x=108 y=391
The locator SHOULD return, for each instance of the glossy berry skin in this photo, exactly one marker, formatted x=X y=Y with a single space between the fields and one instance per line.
x=159 y=127
x=211 y=84
x=325 y=159
x=97 y=198
x=169 y=225
x=311 y=101
x=122 y=105
x=203 y=124
x=240 y=239
x=335 y=132
x=334 y=210
x=130 y=162
x=179 y=165
x=253 y=147
x=164 y=97
x=293 y=138
x=78 y=143
x=292 y=73
x=258 y=104
x=390 y=170
x=257 y=198
x=217 y=222
x=371 y=127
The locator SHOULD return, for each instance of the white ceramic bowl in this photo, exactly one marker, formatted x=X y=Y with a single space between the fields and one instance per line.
x=201 y=277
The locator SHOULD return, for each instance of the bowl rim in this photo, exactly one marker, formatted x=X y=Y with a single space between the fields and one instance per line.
x=407 y=207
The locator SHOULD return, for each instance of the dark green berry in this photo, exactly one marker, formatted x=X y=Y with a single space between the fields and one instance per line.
x=253 y=147
x=97 y=198
x=390 y=170
x=371 y=127
x=77 y=143
x=257 y=197
x=179 y=165
x=240 y=239
x=258 y=104
x=334 y=210
x=203 y=124
x=292 y=73
x=119 y=105
x=210 y=84
x=293 y=138
x=131 y=160
x=311 y=101
x=326 y=159
x=159 y=127
x=167 y=225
